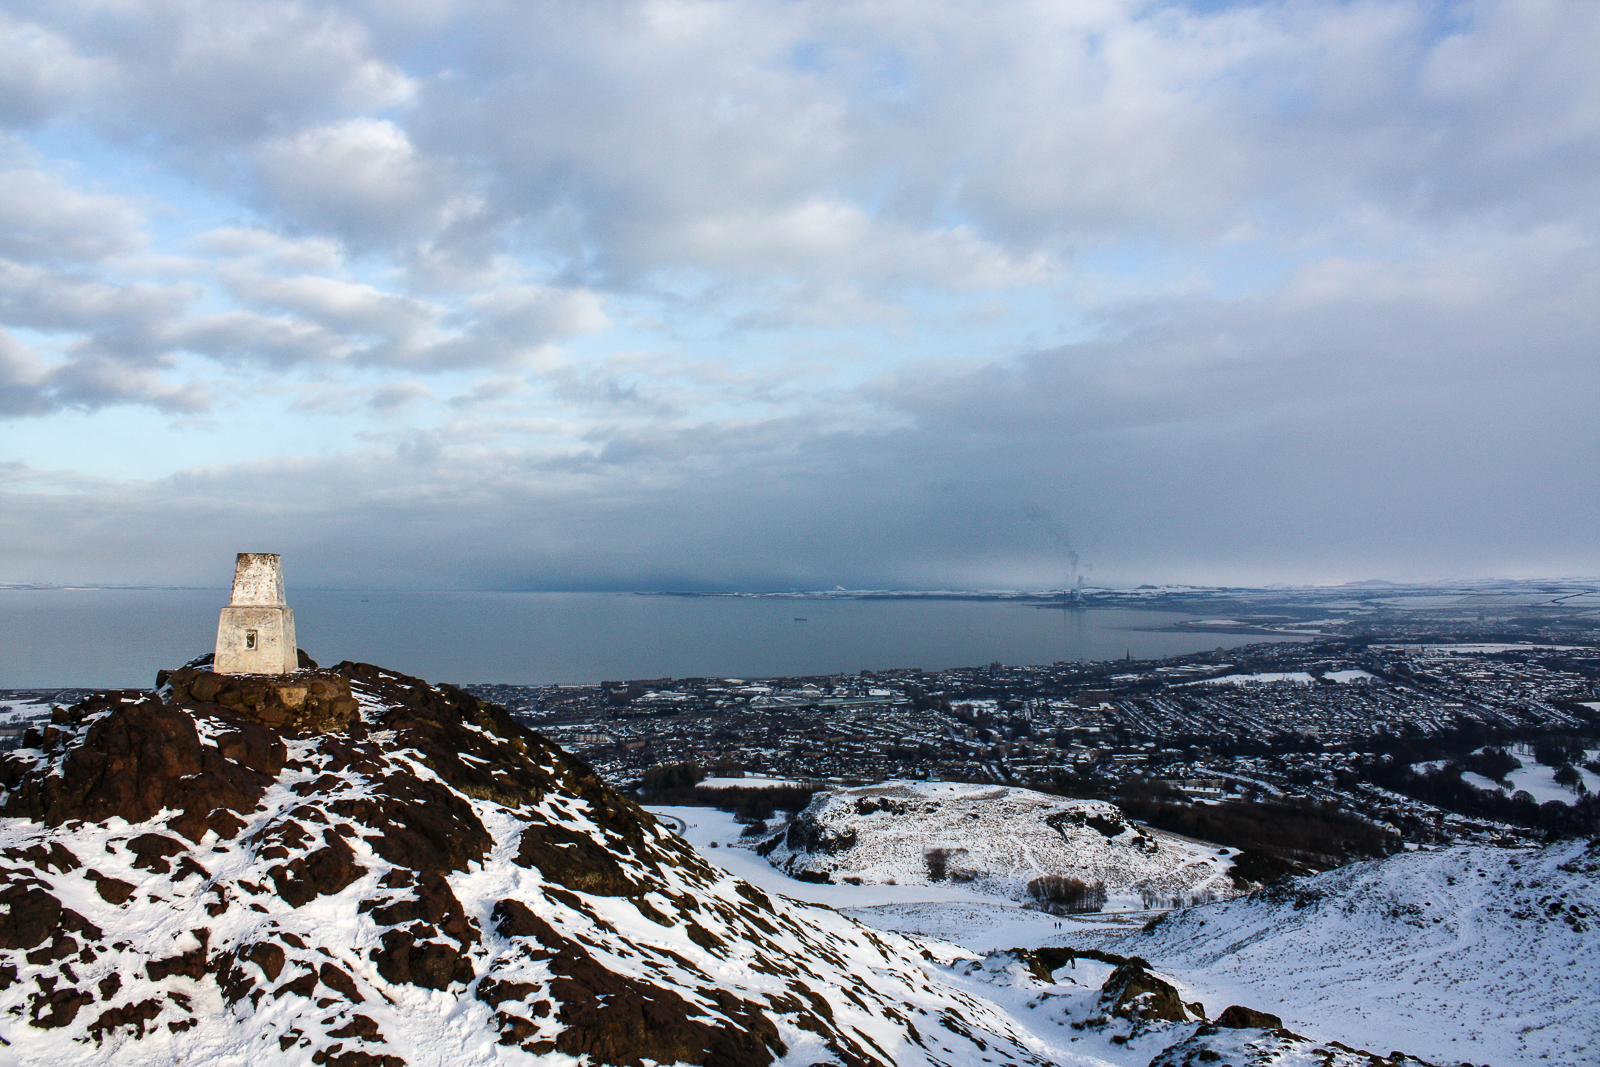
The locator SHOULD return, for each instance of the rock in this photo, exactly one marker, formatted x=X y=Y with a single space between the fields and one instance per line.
x=573 y=860
x=1239 y=1017
x=1132 y=992
x=308 y=701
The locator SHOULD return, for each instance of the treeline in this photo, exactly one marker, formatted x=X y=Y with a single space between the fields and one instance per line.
x=1315 y=836
x=1063 y=894
x=678 y=784
x=1444 y=788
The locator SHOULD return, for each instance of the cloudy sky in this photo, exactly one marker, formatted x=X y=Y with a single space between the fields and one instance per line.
x=606 y=294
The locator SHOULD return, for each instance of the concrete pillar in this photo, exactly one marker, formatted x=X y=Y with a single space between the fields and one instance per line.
x=256 y=632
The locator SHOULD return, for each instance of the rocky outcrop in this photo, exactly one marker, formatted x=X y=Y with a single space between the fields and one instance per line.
x=1238 y=1017
x=1132 y=992
x=307 y=700
x=1211 y=1046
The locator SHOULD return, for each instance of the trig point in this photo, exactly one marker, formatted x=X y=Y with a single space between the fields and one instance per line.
x=256 y=633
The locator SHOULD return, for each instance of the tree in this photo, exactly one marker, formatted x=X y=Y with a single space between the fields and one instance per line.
x=1063 y=893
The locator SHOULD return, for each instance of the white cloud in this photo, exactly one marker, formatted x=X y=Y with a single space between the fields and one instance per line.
x=361 y=179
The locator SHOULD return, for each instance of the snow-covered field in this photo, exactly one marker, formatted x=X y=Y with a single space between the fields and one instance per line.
x=1285 y=677
x=1536 y=779
x=1346 y=677
x=1292 y=677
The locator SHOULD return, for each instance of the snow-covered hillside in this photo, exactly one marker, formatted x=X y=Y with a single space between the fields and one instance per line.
x=354 y=869
x=995 y=839
x=1468 y=954
x=351 y=868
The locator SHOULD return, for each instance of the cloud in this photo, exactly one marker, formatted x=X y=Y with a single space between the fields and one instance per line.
x=766 y=293
x=30 y=386
x=40 y=72
x=363 y=180
x=41 y=219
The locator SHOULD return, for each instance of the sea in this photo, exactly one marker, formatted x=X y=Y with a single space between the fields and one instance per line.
x=119 y=638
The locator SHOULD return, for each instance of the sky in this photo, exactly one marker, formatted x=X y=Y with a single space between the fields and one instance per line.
x=770 y=294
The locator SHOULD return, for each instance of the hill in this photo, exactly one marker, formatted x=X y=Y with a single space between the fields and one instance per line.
x=1472 y=952
x=353 y=868
x=996 y=838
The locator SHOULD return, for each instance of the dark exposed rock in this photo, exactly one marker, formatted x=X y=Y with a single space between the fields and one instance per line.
x=29 y=916
x=340 y=982
x=404 y=959
x=324 y=871
x=268 y=957
x=360 y=1027
x=1238 y=1017
x=1132 y=992
x=574 y=860
x=151 y=852
x=307 y=701
x=135 y=760
x=616 y=1019
x=59 y=1007
x=54 y=858
x=111 y=890
x=132 y=1016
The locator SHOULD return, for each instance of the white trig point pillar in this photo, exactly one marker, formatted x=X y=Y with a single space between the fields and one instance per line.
x=256 y=633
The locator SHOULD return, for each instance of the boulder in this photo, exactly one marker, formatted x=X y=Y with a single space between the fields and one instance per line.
x=1132 y=992
x=1238 y=1017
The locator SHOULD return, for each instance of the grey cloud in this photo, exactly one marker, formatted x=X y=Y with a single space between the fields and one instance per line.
x=40 y=72
x=45 y=299
x=223 y=71
x=1402 y=190
x=362 y=179
x=397 y=395
x=86 y=380
x=42 y=220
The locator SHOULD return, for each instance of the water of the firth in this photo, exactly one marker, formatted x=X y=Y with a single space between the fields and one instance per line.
x=118 y=638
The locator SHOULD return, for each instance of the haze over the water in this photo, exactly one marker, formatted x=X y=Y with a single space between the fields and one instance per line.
x=753 y=295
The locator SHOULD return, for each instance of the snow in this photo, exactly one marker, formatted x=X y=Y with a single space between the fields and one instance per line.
x=998 y=839
x=1419 y=952
x=1470 y=953
x=1346 y=677
x=1269 y=678
x=1539 y=781
x=1466 y=953
x=749 y=782
x=1536 y=779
